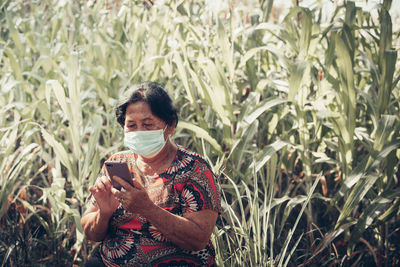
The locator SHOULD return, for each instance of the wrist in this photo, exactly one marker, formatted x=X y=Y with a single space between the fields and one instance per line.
x=150 y=210
x=105 y=214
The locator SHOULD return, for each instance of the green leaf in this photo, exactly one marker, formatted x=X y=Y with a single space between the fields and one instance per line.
x=361 y=169
x=226 y=48
x=200 y=133
x=282 y=255
x=371 y=212
x=251 y=53
x=265 y=154
x=297 y=74
x=350 y=17
x=55 y=86
x=389 y=60
x=384 y=131
x=262 y=107
x=357 y=194
x=92 y=146
x=58 y=148
x=242 y=144
x=328 y=239
x=385 y=37
x=14 y=35
x=305 y=34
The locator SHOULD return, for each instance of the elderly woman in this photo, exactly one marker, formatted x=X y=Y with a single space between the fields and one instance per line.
x=166 y=216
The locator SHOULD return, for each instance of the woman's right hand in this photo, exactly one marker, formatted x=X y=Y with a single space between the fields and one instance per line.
x=101 y=191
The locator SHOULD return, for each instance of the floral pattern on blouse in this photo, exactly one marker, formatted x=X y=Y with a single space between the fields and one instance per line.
x=188 y=185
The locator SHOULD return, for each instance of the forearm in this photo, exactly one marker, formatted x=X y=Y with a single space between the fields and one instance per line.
x=95 y=225
x=181 y=231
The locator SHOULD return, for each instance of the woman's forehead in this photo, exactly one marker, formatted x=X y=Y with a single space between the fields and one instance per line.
x=139 y=111
x=138 y=107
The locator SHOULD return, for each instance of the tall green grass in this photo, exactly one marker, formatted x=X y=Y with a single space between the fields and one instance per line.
x=299 y=117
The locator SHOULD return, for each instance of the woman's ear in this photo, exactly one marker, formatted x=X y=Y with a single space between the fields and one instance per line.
x=170 y=128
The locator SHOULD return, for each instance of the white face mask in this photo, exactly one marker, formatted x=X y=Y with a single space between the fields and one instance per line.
x=145 y=143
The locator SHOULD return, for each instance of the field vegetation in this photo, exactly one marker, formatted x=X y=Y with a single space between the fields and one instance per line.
x=298 y=113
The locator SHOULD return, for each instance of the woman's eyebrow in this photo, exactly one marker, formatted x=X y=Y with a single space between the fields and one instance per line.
x=143 y=120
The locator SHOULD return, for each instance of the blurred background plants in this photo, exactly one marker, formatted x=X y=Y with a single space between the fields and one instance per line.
x=296 y=109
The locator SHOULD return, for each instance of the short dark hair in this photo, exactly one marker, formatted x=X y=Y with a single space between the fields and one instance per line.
x=155 y=96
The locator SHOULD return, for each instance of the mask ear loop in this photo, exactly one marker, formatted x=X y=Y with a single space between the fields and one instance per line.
x=168 y=136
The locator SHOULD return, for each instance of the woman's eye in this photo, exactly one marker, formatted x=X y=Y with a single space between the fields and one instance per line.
x=148 y=125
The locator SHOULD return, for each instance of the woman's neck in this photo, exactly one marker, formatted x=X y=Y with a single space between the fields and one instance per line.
x=158 y=163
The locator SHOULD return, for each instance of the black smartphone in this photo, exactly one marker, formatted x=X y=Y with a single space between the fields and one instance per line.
x=120 y=169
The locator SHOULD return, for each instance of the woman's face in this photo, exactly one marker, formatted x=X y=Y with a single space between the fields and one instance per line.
x=138 y=117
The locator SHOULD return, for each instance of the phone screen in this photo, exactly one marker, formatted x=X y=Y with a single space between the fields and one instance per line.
x=120 y=169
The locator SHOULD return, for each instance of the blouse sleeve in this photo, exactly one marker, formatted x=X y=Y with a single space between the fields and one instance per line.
x=201 y=191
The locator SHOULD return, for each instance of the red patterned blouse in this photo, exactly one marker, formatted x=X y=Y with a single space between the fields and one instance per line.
x=188 y=185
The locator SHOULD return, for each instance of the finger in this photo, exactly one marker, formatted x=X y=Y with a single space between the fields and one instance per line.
x=137 y=184
x=100 y=186
x=106 y=182
x=103 y=179
x=92 y=189
x=123 y=183
x=117 y=194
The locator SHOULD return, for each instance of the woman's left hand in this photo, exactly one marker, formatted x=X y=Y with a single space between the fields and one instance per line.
x=134 y=198
x=191 y=231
